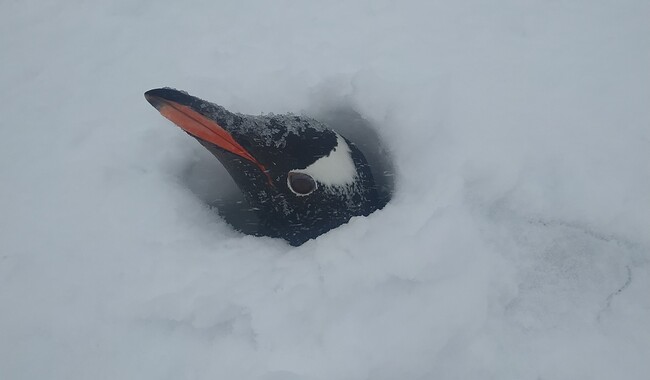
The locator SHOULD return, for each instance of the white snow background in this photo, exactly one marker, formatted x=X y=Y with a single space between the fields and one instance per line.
x=516 y=246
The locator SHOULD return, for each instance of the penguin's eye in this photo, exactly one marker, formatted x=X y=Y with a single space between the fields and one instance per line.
x=300 y=183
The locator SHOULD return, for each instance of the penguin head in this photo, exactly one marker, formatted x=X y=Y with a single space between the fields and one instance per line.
x=301 y=177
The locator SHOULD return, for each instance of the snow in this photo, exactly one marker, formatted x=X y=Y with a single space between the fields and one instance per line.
x=516 y=245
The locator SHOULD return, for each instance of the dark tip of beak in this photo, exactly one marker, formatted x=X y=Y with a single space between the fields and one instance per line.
x=154 y=100
x=158 y=97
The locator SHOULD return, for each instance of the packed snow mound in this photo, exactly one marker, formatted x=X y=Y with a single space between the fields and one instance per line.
x=515 y=246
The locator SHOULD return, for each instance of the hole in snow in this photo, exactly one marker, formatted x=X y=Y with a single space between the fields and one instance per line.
x=211 y=183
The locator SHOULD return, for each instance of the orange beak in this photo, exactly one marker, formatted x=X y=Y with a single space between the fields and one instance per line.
x=197 y=124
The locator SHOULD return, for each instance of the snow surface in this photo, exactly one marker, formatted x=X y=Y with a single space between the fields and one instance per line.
x=516 y=245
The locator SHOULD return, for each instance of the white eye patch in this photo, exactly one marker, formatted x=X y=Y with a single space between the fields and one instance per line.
x=335 y=169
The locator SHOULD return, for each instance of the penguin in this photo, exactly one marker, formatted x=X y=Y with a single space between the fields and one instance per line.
x=300 y=177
